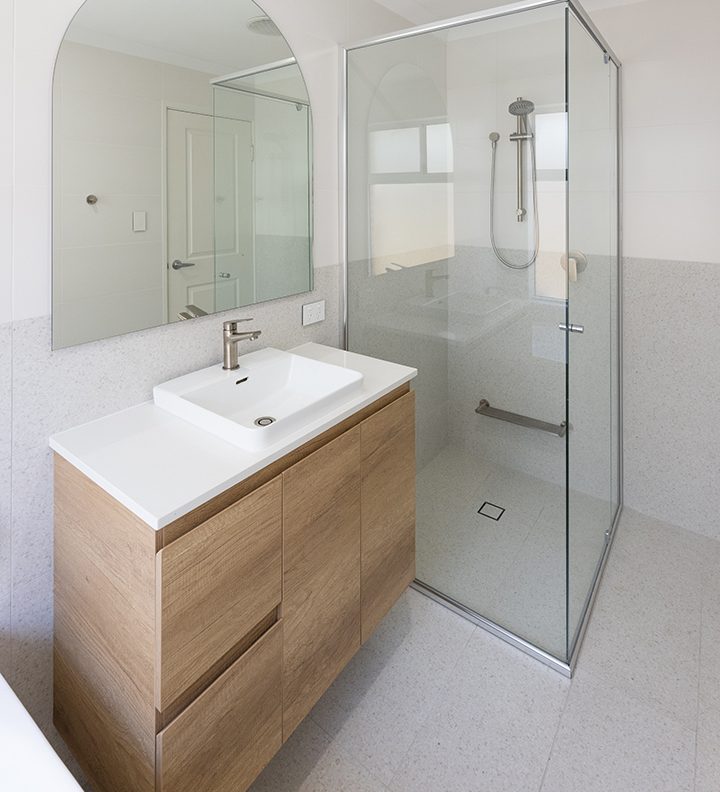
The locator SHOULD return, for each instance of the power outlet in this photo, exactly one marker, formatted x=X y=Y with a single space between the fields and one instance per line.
x=313 y=313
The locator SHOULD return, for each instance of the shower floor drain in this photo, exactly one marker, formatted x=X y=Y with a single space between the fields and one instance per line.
x=265 y=420
x=491 y=510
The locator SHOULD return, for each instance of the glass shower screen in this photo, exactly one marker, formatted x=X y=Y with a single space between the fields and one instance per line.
x=472 y=245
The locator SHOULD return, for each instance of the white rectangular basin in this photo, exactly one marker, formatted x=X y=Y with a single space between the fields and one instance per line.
x=271 y=395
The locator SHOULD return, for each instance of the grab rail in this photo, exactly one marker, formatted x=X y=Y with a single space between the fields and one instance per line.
x=484 y=408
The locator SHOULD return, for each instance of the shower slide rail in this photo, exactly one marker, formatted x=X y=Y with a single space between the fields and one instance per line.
x=484 y=408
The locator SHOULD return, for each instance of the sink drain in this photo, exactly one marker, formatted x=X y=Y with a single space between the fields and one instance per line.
x=265 y=420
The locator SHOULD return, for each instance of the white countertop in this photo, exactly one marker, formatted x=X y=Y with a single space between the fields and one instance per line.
x=27 y=760
x=161 y=467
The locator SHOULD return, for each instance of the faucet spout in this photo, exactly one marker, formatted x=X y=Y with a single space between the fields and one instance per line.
x=231 y=337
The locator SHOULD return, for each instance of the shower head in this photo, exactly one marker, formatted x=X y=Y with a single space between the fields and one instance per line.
x=521 y=107
x=494 y=137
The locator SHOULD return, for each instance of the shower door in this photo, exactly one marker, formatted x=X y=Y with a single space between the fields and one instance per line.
x=425 y=288
x=461 y=142
x=593 y=387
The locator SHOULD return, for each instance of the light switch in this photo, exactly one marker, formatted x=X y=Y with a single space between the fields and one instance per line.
x=139 y=221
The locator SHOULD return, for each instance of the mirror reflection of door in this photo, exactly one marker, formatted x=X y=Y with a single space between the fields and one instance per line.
x=209 y=213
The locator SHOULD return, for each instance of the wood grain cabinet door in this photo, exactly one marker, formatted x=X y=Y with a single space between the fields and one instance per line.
x=321 y=602
x=222 y=741
x=388 y=508
x=215 y=584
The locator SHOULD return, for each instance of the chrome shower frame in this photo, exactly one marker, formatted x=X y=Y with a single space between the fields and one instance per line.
x=566 y=668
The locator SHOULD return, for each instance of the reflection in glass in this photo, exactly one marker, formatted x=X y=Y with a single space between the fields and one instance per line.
x=263 y=219
x=192 y=134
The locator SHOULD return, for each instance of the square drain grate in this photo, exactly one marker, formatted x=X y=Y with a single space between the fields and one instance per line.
x=491 y=510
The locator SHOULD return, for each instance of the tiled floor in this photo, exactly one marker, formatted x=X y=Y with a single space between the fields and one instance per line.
x=432 y=703
x=512 y=571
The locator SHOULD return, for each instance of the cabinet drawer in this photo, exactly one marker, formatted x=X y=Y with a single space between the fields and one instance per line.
x=214 y=585
x=231 y=731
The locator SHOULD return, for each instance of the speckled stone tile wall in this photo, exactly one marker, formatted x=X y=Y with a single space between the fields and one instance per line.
x=57 y=390
x=5 y=512
x=671 y=387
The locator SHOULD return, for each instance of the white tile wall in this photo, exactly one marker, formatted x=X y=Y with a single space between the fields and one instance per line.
x=671 y=111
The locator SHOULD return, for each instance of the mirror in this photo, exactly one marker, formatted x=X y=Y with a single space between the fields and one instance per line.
x=182 y=172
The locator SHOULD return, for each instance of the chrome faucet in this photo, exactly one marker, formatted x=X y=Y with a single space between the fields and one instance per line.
x=231 y=337
x=430 y=278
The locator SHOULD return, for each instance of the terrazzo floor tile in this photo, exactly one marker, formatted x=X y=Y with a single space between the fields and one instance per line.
x=494 y=728
x=707 y=749
x=433 y=704
x=707 y=757
x=611 y=742
x=376 y=707
x=310 y=762
x=645 y=632
x=460 y=552
x=531 y=599
x=512 y=570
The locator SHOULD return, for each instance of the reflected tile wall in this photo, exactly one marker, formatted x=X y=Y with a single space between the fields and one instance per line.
x=389 y=318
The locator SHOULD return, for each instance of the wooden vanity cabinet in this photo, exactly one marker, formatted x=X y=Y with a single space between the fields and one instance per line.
x=388 y=508
x=212 y=585
x=321 y=600
x=225 y=737
x=185 y=657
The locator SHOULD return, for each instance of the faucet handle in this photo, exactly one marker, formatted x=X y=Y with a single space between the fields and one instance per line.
x=232 y=325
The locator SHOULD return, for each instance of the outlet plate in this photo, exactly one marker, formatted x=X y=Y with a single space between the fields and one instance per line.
x=312 y=313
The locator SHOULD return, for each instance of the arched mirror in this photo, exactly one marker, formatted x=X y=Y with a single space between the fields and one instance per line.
x=182 y=172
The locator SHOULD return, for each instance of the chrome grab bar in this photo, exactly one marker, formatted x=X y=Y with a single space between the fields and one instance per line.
x=484 y=408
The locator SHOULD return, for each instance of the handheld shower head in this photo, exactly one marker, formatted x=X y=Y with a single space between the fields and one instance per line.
x=521 y=107
x=494 y=137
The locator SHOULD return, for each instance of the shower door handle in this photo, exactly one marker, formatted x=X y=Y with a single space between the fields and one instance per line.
x=572 y=328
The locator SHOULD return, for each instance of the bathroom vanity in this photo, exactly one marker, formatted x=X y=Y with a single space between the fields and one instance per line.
x=207 y=595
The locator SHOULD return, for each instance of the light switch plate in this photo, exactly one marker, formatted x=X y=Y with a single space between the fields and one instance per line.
x=139 y=221
x=312 y=313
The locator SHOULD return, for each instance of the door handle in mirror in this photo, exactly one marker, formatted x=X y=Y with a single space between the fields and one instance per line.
x=177 y=264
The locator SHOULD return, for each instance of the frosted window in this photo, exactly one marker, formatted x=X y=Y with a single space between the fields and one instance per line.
x=395 y=150
x=551 y=141
x=439 y=149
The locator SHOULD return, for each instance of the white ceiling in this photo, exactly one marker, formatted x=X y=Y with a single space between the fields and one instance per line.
x=209 y=36
x=420 y=12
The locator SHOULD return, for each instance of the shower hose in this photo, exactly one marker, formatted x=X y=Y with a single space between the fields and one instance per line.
x=495 y=248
